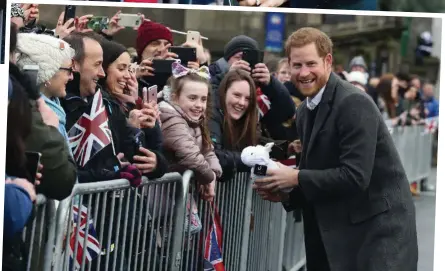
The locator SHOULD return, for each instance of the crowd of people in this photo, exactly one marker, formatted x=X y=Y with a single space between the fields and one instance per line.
x=89 y=114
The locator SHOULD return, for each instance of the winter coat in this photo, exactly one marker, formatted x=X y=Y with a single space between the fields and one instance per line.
x=59 y=169
x=183 y=144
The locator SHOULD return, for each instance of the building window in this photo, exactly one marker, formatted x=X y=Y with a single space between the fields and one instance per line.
x=336 y=19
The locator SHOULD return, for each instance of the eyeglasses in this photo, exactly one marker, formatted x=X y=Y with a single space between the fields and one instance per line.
x=69 y=70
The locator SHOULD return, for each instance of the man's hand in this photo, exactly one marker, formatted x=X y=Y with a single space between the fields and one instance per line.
x=64 y=29
x=31 y=12
x=82 y=23
x=261 y=74
x=145 y=69
x=273 y=197
x=146 y=163
x=240 y=64
x=193 y=65
x=113 y=25
x=25 y=184
x=278 y=179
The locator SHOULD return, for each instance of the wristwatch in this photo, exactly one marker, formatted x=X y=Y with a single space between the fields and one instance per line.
x=17 y=11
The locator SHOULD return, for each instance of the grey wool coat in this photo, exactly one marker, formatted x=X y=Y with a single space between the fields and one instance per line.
x=353 y=187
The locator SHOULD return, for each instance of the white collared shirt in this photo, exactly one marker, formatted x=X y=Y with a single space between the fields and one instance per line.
x=313 y=102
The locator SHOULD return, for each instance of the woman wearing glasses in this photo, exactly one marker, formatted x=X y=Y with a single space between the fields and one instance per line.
x=54 y=59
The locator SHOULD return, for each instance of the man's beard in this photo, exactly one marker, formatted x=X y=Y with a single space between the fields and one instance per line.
x=310 y=92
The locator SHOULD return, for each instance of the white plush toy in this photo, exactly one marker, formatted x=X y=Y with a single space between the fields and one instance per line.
x=259 y=156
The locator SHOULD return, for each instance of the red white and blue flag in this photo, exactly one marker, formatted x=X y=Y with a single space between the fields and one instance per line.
x=213 y=260
x=91 y=132
x=263 y=103
x=431 y=125
x=92 y=244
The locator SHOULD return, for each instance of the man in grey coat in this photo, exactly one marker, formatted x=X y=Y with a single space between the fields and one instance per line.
x=351 y=186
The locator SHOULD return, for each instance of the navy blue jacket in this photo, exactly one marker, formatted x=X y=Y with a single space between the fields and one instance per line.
x=18 y=209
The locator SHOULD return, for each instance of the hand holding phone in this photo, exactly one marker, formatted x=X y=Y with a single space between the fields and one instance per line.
x=252 y=57
x=33 y=165
x=130 y=20
x=98 y=23
x=185 y=54
x=193 y=37
x=152 y=94
x=70 y=13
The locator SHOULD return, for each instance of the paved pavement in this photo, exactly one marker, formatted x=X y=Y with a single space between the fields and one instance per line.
x=425 y=211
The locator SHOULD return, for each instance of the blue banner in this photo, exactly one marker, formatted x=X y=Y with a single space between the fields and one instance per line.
x=275 y=23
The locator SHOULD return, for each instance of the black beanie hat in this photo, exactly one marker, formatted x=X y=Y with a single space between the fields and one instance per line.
x=239 y=43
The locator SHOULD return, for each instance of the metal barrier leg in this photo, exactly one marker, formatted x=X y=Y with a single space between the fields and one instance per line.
x=178 y=227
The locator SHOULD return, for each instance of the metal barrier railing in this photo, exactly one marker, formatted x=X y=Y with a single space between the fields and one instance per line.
x=415 y=150
x=145 y=228
x=129 y=223
x=38 y=234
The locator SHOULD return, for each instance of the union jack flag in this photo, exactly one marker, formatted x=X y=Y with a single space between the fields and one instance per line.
x=92 y=244
x=213 y=260
x=430 y=125
x=263 y=103
x=90 y=133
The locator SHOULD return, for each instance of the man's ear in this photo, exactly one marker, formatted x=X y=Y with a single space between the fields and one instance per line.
x=328 y=58
x=76 y=66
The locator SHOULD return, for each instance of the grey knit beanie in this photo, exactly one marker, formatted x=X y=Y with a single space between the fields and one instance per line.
x=358 y=61
x=237 y=44
x=45 y=51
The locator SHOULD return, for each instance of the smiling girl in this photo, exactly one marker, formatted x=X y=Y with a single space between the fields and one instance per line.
x=184 y=127
x=234 y=126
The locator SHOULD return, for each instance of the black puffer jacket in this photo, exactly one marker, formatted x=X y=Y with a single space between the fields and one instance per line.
x=282 y=110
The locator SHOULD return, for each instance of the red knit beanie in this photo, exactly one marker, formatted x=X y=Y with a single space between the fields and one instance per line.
x=150 y=31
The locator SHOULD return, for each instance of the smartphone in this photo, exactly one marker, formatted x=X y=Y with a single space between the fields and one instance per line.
x=32 y=164
x=130 y=20
x=31 y=71
x=163 y=66
x=70 y=13
x=193 y=37
x=185 y=54
x=152 y=94
x=253 y=56
x=98 y=23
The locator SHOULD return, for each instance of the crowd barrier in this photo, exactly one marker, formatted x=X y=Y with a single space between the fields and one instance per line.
x=151 y=227
x=415 y=147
